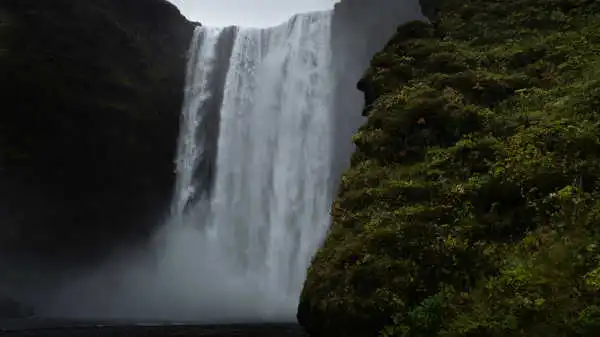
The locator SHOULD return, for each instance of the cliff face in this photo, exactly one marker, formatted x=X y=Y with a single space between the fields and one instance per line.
x=91 y=94
x=359 y=30
x=471 y=207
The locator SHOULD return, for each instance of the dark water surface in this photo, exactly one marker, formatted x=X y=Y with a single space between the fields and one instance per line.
x=59 y=328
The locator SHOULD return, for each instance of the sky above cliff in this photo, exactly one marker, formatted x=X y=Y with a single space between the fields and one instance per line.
x=247 y=13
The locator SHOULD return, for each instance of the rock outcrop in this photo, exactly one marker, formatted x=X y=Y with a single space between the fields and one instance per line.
x=9 y=308
x=471 y=207
x=359 y=30
x=91 y=94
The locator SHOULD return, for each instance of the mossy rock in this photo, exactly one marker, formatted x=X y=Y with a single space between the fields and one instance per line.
x=470 y=207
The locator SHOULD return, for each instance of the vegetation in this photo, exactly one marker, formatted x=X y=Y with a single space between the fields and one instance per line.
x=91 y=94
x=472 y=206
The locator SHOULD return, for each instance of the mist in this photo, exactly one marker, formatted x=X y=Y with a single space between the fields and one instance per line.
x=171 y=279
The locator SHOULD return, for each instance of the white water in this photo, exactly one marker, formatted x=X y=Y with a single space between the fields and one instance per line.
x=201 y=58
x=270 y=205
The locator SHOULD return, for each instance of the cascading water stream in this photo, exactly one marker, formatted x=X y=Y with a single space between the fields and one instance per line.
x=269 y=207
x=239 y=239
x=197 y=91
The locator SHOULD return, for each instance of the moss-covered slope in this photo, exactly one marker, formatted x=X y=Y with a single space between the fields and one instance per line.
x=471 y=208
x=91 y=93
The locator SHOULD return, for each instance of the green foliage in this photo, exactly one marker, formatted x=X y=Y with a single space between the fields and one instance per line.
x=470 y=208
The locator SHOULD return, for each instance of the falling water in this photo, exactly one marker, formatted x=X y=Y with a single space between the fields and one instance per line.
x=197 y=91
x=269 y=207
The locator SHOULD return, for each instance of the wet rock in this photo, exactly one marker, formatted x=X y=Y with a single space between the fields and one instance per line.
x=10 y=308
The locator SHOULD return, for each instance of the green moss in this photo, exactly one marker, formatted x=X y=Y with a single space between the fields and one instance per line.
x=470 y=208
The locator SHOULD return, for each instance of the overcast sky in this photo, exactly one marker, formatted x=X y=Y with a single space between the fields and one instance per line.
x=247 y=13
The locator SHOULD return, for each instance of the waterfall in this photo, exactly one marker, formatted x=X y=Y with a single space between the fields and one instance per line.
x=253 y=188
x=264 y=135
x=197 y=91
x=268 y=208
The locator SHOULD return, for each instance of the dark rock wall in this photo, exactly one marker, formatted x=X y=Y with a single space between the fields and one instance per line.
x=359 y=30
x=91 y=92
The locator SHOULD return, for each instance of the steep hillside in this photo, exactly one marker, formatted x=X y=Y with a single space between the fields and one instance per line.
x=91 y=93
x=471 y=208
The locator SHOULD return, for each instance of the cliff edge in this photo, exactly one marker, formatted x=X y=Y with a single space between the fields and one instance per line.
x=471 y=207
